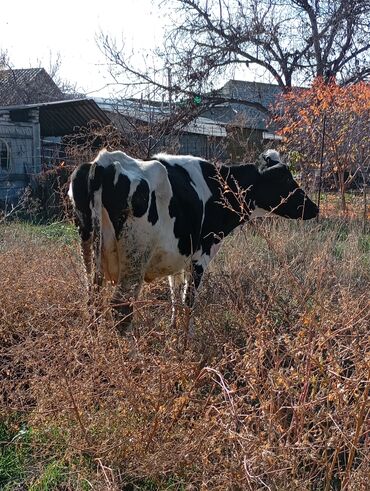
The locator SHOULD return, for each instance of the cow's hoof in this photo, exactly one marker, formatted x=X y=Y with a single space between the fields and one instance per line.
x=123 y=316
x=123 y=327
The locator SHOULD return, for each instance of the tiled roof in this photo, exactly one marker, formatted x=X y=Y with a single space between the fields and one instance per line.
x=262 y=93
x=254 y=91
x=27 y=86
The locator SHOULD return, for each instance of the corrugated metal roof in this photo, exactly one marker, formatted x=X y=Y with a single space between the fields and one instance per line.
x=151 y=113
x=64 y=117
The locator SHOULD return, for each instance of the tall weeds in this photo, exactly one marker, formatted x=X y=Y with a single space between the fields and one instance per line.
x=272 y=392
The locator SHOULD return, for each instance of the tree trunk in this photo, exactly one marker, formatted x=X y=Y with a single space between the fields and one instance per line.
x=342 y=189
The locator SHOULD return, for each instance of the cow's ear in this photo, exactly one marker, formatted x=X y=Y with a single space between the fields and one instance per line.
x=269 y=162
x=269 y=158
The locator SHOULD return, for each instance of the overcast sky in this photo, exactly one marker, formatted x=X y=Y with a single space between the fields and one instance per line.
x=35 y=32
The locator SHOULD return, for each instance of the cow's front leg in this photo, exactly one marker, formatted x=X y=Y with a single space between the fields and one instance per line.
x=125 y=294
x=193 y=285
x=178 y=285
x=86 y=249
x=190 y=294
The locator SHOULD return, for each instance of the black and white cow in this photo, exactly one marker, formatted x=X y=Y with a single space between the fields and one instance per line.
x=167 y=217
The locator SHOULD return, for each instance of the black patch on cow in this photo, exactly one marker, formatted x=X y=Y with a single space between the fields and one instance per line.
x=114 y=196
x=186 y=207
x=140 y=199
x=223 y=211
x=153 y=212
x=80 y=193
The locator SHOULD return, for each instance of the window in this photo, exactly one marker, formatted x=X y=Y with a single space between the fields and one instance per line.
x=4 y=155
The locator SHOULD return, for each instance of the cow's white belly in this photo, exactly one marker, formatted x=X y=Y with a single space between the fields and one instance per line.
x=151 y=251
x=165 y=258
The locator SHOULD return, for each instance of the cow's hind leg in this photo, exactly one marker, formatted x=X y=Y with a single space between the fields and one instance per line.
x=195 y=279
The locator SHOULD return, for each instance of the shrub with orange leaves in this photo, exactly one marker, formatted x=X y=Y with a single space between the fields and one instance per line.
x=332 y=116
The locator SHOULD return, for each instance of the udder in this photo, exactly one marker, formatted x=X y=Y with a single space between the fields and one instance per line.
x=164 y=264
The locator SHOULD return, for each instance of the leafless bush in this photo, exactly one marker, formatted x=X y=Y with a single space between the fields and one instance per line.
x=83 y=146
x=46 y=198
x=271 y=394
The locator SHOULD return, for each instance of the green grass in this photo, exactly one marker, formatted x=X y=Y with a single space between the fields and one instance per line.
x=20 y=464
x=58 y=231
x=52 y=475
x=21 y=467
x=14 y=454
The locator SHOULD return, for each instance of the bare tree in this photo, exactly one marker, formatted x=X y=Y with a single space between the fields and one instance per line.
x=291 y=40
x=4 y=60
x=69 y=89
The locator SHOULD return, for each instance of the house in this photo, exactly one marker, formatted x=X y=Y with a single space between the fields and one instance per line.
x=203 y=137
x=236 y=125
x=157 y=128
x=35 y=117
x=250 y=122
x=29 y=133
x=27 y=86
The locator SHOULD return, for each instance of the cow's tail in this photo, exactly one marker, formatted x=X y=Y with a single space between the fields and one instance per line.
x=104 y=239
x=79 y=196
x=95 y=200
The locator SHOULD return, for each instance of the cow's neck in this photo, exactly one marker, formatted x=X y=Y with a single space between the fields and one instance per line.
x=232 y=190
x=240 y=181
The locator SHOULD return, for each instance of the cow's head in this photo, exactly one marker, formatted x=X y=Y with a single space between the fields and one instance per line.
x=276 y=191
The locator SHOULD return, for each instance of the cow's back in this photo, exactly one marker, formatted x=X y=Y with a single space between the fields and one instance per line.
x=150 y=213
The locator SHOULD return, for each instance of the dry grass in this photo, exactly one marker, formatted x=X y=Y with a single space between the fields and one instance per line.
x=356 y=206
x=271 y=394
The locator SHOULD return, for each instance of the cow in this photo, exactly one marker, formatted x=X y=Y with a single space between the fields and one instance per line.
x=167 y=216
